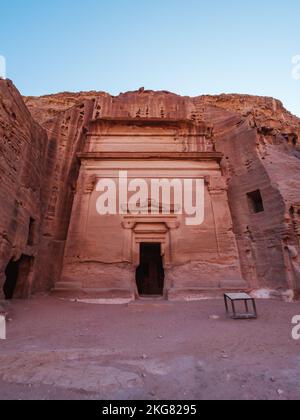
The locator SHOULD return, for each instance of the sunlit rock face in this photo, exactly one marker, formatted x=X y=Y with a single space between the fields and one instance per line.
x=24 y=163
x=246 y=150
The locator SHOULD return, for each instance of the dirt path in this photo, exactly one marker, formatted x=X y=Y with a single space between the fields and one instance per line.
x=157 y=350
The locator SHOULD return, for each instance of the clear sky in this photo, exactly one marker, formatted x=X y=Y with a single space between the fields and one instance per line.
x=190 y=47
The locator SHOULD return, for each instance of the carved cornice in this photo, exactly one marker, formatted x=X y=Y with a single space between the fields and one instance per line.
x=196 y=156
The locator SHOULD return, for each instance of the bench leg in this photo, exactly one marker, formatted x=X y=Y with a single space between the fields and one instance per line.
x=226 y=304
x=233 y=308
x=254 y=307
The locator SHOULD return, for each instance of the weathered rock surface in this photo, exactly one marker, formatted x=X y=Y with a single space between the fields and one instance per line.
x=23 y=187
x=260 y=141
x=47 y=107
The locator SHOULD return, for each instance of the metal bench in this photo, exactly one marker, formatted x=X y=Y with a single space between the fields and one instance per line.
x=240 y=297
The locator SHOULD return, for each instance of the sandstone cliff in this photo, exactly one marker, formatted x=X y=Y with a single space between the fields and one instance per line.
x=261 y=146
x=23 y=191
x=260 y=141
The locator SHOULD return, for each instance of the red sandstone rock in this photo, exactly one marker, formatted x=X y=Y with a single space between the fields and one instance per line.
x=23 y=180
x=260 y=143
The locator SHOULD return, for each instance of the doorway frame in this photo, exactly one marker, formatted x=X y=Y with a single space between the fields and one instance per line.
x=137 y=258
x=152 y=229
x=164 y=290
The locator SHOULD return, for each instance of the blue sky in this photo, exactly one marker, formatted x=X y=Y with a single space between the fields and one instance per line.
x=190 y=47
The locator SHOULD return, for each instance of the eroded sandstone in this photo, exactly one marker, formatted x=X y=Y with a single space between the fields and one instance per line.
x=251 y=242
x=23 y=189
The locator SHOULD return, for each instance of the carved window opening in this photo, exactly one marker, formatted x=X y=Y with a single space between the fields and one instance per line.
x=31 y=232
x=255 y=202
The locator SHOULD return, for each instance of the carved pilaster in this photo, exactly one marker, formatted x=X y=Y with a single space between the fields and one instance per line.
x=89 y=184
x=225 y=238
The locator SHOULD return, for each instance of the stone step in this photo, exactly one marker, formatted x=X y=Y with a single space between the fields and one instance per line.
x=202 y=293
x=74 y=291
x=79 y=293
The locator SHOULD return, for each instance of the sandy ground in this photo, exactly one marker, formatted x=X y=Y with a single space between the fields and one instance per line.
x=155 y=350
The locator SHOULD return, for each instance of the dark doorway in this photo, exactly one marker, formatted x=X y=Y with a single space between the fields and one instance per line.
x=11 y=273
x=17 y=278
x=150 y=273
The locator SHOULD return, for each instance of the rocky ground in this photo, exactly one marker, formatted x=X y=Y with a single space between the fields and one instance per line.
x=153 y=350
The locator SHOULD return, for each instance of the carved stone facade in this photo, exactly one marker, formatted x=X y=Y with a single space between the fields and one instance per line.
x=103 y=252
